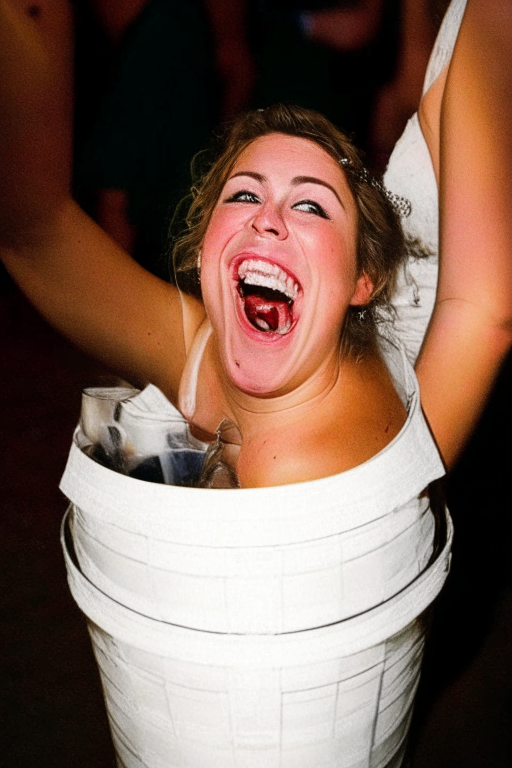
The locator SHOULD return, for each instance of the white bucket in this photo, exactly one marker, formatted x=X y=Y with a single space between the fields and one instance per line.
x=265 y=560
x=269 y=627
x=335 y=697
x=250 y=561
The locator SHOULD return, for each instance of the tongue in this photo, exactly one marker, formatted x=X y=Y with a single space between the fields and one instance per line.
x=267 y=315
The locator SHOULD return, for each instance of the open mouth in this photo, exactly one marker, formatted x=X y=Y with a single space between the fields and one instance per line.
x=268 y=294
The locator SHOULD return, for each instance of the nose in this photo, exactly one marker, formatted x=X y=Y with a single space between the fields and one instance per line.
x=269 y=222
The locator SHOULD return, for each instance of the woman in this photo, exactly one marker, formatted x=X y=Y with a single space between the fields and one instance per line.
x=146 y=330
x=291 y=203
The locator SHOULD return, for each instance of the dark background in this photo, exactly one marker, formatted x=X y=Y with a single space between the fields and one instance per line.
x=52 y=712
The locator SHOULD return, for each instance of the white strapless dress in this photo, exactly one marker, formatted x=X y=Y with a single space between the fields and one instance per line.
x=410 y=174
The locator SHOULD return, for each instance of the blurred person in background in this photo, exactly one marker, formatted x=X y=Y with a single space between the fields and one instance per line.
x=400 y=96
x=175 y=69
x=171 y=71
x=328 y=56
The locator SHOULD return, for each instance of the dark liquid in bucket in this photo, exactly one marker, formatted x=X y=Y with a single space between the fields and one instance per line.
x=182 y=467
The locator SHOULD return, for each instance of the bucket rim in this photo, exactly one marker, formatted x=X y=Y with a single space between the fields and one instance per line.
x=258 y=516
x=355 y=634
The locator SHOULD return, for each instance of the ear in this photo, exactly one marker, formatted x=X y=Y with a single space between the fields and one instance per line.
x=363 y=291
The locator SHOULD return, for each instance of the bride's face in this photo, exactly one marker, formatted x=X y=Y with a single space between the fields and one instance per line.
x=279 y=266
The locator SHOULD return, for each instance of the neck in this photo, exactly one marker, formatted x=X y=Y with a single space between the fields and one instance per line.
x=251 y=411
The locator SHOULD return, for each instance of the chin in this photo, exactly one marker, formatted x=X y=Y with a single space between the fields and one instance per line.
x=260 y=370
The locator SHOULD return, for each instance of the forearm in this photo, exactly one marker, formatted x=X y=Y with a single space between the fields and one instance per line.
x=35 y=114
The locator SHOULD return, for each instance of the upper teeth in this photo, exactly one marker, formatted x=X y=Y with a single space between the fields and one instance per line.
x=256 y=272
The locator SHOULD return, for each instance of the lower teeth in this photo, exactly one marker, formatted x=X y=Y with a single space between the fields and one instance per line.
x=284 y=330
x=262 y=325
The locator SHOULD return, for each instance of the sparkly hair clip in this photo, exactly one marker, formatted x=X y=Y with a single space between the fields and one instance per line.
x=401 y=205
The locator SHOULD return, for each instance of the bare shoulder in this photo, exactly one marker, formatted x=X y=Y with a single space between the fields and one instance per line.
x=348 y=428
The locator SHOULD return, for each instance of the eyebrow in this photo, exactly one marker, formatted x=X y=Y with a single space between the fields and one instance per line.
x=253 y=175
x=313 y=180
x=295 y=181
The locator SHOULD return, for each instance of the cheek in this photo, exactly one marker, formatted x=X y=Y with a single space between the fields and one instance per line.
x=337 y=266
x=226 y=221
x=215 y=233
x=218 y=234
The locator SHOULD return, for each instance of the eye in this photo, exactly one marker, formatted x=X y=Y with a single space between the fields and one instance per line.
x=309 y=206
x=244 y=196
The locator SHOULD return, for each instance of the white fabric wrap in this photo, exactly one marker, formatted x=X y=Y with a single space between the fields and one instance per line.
x=265 y=560
x=253 y=565
x=335 y=697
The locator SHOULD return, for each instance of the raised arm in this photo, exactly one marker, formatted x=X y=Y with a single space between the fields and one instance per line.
x=77 y=277
x=471 y=328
